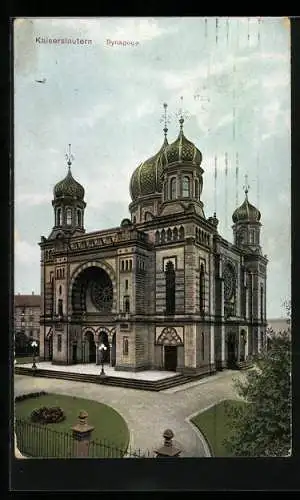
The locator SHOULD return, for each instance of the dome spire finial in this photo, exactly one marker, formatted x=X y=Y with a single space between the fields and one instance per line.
x=181 y=114
x=69 y=158
x=165 y=120
x=246 y=187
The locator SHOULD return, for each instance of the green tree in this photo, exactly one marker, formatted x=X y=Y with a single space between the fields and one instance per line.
x=262 y=427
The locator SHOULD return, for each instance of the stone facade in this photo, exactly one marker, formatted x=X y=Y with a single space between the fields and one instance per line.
x=163 y=290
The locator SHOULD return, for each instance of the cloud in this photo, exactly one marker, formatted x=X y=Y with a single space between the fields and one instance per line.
x=93 y=115
x=33 y=199
x=26 y=253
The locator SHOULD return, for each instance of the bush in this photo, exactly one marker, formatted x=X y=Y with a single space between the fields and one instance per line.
x=48 y=415
x=30 y=395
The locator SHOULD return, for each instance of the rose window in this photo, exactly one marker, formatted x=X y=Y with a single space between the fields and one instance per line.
x=102 y=295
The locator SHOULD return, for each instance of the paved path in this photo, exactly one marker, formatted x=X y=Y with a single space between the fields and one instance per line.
x=147 y=414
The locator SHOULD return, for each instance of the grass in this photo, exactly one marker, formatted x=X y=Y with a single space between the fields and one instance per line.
x=213 y=424
x=108 y=425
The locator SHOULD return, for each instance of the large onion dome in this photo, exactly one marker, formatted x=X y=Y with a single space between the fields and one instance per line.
x=147 y=177
x=181 y=151
x=246 y=213
x=68 y=187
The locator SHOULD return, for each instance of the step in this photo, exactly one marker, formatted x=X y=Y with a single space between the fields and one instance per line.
x=148 y=385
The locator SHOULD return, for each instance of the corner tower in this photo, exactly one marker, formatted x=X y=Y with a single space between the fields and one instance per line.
x=246 y=227
x=182 y=176
x=68 y=204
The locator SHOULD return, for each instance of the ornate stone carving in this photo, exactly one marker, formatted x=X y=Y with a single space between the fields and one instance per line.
x=169 y=336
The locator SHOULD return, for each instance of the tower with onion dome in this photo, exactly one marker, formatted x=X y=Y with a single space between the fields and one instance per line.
x=246 y=232
x=246 y=225
x=68 y=204
x=146 y=184
x=182 y=176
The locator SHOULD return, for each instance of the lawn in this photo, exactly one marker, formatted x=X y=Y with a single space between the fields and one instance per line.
x=213 y=424
x=37 y=440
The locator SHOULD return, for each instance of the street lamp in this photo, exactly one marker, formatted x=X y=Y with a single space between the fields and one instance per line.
x=34 y=345
x=102 y=348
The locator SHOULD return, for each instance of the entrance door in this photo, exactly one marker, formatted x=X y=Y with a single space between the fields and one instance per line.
x=50 y=346
x=89 y=337
x=231 y=360
x=74 y=353
x=170 y=357
x=113 y=350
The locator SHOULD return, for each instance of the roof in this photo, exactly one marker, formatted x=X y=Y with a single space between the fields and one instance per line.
x=27 y=300
x=279 y=324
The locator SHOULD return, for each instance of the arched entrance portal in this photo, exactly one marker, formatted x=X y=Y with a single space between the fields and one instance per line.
x=243 y=340
x=231 y=350
x=49 y=348
x=170 y=340
x=90 y=348
x=113 y=350
x=103 y=339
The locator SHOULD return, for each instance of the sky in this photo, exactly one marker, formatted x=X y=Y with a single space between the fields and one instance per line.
x=106 y=99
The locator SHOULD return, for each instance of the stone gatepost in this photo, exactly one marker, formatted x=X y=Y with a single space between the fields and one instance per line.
x=168 y=449
x=82 y=435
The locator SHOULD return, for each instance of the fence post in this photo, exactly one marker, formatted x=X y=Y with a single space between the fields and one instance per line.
x=168 y=449
x=82 y=435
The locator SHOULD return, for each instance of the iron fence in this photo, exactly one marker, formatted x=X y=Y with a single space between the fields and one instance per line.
x=40 y=441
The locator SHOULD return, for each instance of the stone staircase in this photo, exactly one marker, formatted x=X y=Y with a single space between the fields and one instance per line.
x=244 y=365
x=143 y=385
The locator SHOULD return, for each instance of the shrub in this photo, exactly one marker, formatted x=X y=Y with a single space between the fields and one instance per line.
x=48 y=415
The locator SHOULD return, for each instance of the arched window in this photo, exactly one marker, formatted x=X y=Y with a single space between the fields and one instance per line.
x=173 y=188
x=181 y=233
x=58 y=214
x=69 y=216
x=126 y=304
x=163 y=236
x=60 y=307
x=169 y=235
x=122 y=265
x=78 y=218
x=261 y=303
x=165 y=190
x=202 y=345
x=157 y=237
x=130 y=265
x=202 y=288
x=59 y=290
x=126 y=266
x=134 y=219
x=196 y=189
x=262 y=340
x=186 y=187
x=125 y=346
x=170 y=288
x=175 y=233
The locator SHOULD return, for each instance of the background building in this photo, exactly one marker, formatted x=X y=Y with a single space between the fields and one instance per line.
x=27 y=311
x=163 y=290
x=27 y=315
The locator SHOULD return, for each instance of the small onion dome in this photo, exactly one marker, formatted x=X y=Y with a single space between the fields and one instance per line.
x=147 y=177
x=213 y=220
x=181 y=151
x=246 y=213
x=68 y=187
x=126 y=223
